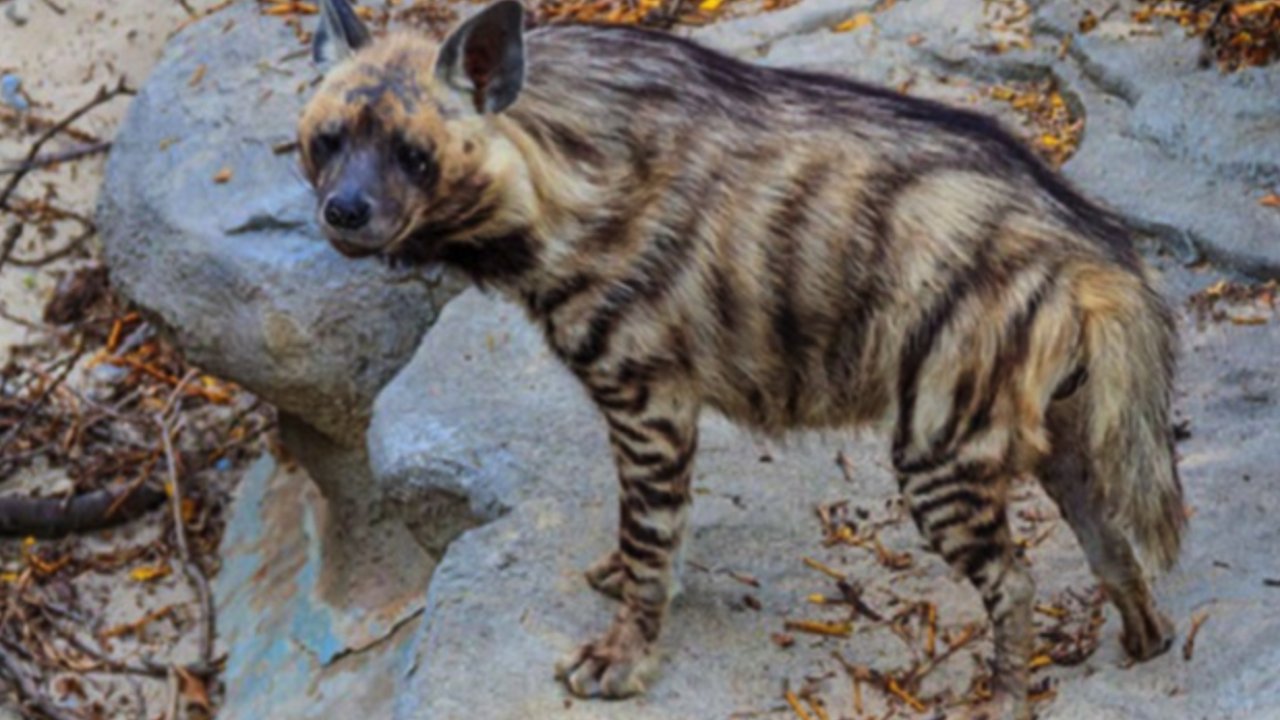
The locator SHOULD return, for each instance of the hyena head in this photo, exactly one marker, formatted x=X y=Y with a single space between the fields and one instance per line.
x=398 y=141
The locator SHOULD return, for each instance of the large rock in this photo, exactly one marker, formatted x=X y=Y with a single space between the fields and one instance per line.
x=483 y=420
x=508 y=598
x=486 y=464
x=1184 y=153
x=293 y=653
x=237 y=272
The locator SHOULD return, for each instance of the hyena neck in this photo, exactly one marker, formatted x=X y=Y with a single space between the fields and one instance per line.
x=552 y=208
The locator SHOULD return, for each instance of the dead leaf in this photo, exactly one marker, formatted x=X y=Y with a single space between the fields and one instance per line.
x=193 y=689
x=198 y=75
x=1248 y=320
x=148 y=573
x=222 y=175
x=1088 y=22
x=856 y=22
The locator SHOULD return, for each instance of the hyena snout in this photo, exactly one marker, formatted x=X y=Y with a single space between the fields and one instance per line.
x=347 y=211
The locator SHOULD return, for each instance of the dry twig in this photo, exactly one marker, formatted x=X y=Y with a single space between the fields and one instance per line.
x=29 y=690
x=193 y=572
x=103 y=95
x=58 y=157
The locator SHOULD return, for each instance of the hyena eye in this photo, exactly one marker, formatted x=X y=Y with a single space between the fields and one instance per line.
x=415 y=161
x=324 y=146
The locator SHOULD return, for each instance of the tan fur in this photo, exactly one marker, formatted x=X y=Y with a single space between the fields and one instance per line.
x=799 y=252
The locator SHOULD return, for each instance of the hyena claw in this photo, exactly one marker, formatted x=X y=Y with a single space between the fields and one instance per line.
x=617 y=665
x=1149 y=638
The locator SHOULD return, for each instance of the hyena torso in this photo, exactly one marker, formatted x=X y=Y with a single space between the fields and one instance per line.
x=796 y=251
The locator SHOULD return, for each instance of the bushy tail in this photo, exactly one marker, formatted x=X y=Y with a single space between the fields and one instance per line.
x=1131 y=344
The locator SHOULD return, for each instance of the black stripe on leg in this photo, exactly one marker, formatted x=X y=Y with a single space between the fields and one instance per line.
x=971 y=558
x=633 y=528
x=666 y=429
x=649 y=558
x=672 y=471
x=655 y=498
x=962 y=497
x=638 y=458
x=625 y=431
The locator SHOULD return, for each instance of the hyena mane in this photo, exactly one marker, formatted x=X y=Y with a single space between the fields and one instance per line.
x=795 y=250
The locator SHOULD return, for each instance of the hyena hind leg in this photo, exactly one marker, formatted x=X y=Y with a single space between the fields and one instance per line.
x=1067 y=476
x=960 y=509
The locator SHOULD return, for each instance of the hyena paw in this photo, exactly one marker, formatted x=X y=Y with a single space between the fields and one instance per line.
x=616 y=665
x=1149 y=638
x=607 y=575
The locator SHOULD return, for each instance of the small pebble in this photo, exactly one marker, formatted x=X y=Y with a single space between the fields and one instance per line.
x=11 y=92
x=17 y=12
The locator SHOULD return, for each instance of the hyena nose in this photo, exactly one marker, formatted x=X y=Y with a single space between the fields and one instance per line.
x=347 y=212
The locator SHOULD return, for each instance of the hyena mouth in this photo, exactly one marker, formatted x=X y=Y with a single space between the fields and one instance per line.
x=352 y=250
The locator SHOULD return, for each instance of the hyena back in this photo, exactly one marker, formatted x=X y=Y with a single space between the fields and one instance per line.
x=793 y=250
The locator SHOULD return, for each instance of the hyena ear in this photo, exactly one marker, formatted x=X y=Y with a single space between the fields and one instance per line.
x=484 y=58
x=340 y=32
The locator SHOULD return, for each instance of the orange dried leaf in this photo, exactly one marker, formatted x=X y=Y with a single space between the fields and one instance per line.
x=825 y=570
x=819 y=627
x=816 y=705
x=222 y=175
x=1248 y=320
x=1052 y=611
x=856 y=22
x=1088 y=22
x=897 y=690
x=1270 y=200
x=149 y=573
x=794 y=702
x=193 y=689
x=198 y=75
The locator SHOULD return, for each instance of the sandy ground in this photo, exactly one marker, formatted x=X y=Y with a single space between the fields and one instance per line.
x=63 y=51
x=62 y=58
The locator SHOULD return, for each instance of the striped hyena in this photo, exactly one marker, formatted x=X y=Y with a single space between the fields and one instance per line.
x=794 y=250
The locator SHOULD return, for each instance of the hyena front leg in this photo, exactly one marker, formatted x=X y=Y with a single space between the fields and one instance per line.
x=653 y=430
x=960 y=507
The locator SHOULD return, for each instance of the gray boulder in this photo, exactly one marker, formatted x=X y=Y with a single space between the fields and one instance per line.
x=507 y=598
x=207 y=224
x=237 y=270
x=431 y=567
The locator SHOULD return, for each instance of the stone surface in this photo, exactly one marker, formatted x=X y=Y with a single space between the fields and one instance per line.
x=1184 y=153
x=508 y=598
x=237 y=270
x=291 y=653
x=486 y=463
x=319 y=581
